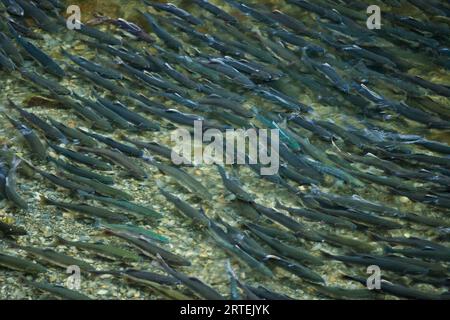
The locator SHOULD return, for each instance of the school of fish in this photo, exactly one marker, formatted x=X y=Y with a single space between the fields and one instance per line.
x=363 y=120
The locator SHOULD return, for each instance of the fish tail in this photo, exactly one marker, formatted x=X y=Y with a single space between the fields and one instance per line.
x=45 y=201
x=28 y=163
x=270 y=257
x=326 y=254
x=349 y=277
x=12 y=244
x=98 y=223
x=15 y=163
x=13 y=30
x=58 y=241
x=102 y=272
x=64 y=52
x=3 y=113
x=11 y=104
x=163 y=264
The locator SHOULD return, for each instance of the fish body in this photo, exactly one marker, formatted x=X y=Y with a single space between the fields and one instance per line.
x=296 y=269
x=133 y=169
x=288 y=251
x=8 y=46
x=232 y=184
x=139 y=210
x=384 y=263
x=318 y=216
x=139 y=121
x=150 y=249
x=287 y=222
x=185 y=208
x=129 y=150
x=100 y=106
x=93 y=67
x=183 y=178
x=173 y=9
x=41 y=18
x=6 y=63
x=137 y=232
x=134 y=29
x=11 y=186
x=154 y=147
x=99 y=187
x=78 y=171
x=192 y=283
x=165 y=36
x=102 y=250
x=100 y=81
x=13 y=8
x=216 y=11
x=40 y=56
x=400 y=290
x=43 y=82
x=134 y=59
x=20 y=264
x=87 y=210
x=75 y=134
x=58 y=291
x=8 y=230
x=99 y=35
x=36 y=146
x=55 y=258
x=81 y=158
x=62 y=182
x=34 y=120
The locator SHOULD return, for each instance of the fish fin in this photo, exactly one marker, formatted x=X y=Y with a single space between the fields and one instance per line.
x=326 y=254
x=44 y=201
x=283 y=124
x=387 y=249
x=374 y=237
x=202 y=211
x=82 y=193
x=160 y=184
x=230 y=270
x=57 y=241
x=164 y=265
x=118 y=60
x=147 y=156
x=350 y=277
x=278 y=204
x=269 y=257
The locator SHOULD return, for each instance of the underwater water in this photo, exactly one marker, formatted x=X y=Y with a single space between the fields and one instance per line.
x=87 y=180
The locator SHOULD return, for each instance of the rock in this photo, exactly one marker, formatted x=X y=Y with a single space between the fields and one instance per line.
x=102 y=292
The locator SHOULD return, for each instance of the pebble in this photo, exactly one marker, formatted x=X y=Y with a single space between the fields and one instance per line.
x=404 y=199
x=102 y=292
